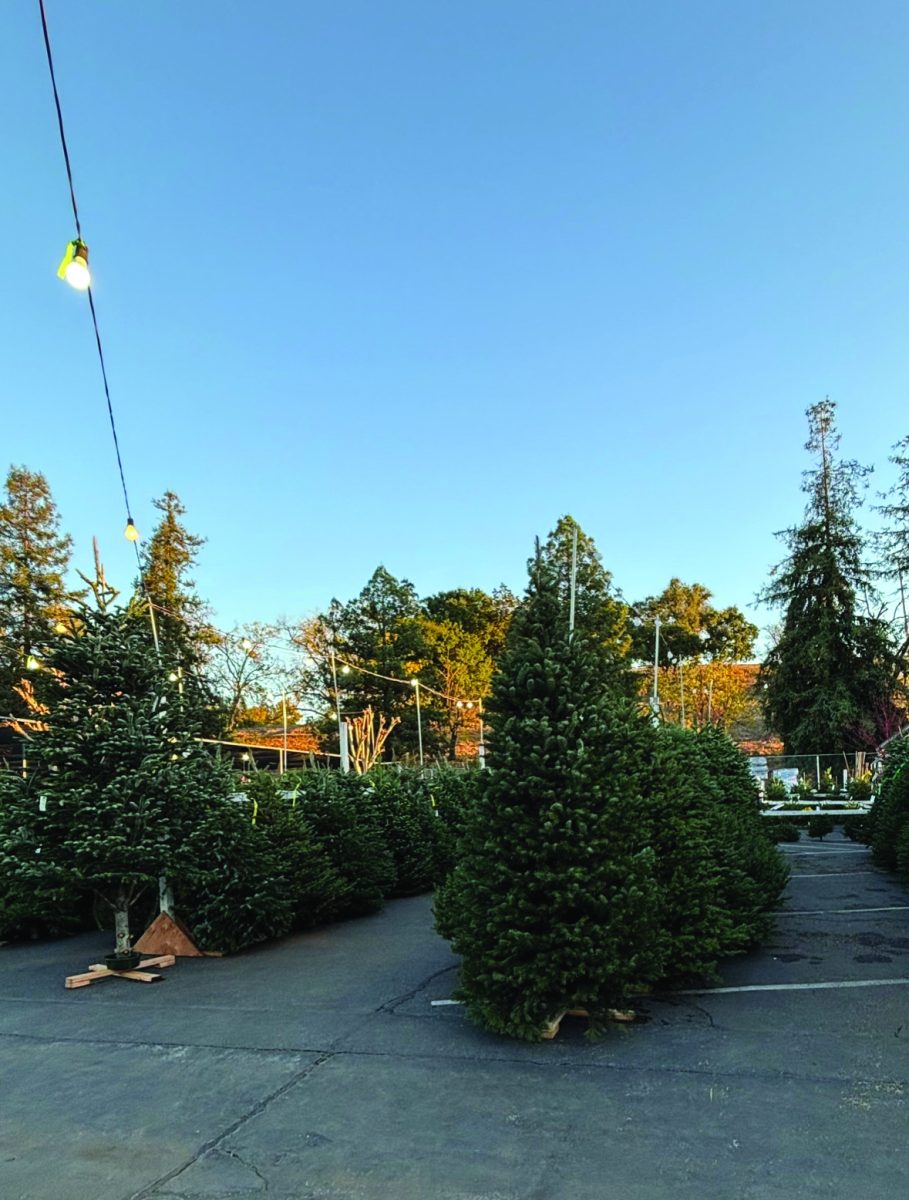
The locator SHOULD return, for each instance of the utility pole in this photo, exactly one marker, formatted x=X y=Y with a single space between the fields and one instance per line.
x=416 y=684
x=342 y=730
x=655 y=695
x=574 y=579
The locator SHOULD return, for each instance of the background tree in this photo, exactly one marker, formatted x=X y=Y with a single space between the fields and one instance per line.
x=34 y=557
x=167 y=561
x=377 y=638
x=465 y=632
x=894 y=545
x=242 y=673
x=691 y=628
x=185 y=634
x=830 y=676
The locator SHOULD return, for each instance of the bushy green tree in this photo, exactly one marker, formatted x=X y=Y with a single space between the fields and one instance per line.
x=34 y=557
x=117 y=780
x=828 y=683
x=888 y=820
x=554 y=903
x=342 y=813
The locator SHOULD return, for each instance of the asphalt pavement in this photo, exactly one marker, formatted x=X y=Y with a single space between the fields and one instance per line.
x=319 y=1068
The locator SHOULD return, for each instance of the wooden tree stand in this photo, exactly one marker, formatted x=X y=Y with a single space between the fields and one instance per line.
x=168 y=935
x=98 y=971
x=626 y=1016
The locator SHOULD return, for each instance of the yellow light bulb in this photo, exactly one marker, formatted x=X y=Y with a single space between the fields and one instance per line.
x=77 y=274
x=31 y=663
x=131 y=533
x=74 y=268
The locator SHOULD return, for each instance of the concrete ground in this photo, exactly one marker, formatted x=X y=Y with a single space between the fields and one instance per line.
x=317 y=1067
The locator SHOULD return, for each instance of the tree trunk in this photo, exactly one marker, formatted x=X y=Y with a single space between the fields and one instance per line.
x=121 y=923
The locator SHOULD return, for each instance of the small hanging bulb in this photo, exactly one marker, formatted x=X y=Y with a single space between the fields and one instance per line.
x=345 y=670
x=74 y=267
x=131 y=533
x=32 y=663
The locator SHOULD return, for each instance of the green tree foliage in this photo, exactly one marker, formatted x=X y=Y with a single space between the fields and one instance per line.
x=828 y=683
x=34 y=557
x=888 y=821
x=600 y=611
x=167 y=563
x=691 y=628
x=117 y=781
x=553 y=903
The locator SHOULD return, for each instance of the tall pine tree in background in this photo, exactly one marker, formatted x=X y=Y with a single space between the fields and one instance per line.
x=167 y=563
x=552 y=904
x=828 y=683
x=34 y=557
x=894 y=547
x=184 y=632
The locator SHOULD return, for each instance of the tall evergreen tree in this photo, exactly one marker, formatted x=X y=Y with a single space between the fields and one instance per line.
x=894 y=542
x=167 y=563
x=601 y=612
x=34 y=557
x=827 y=685
x=553 y=904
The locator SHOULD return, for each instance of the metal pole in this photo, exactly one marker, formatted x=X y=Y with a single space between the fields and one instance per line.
x=342 y=740
x=416 y=684
x=655 y=698
x=574 y=579
x=482 y=748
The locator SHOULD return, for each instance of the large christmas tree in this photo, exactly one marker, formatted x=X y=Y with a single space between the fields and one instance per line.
x=553 y=904
x=117 y=781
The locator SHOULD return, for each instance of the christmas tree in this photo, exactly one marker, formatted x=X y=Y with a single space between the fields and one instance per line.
x=117 y=781
x=554 y=902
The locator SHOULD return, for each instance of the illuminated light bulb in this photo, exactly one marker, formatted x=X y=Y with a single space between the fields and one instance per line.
x=460 y=704
x=246 y=644
x=131 y=533
x=59 y=627
x=415 y=683
x=74 y=267
x=345 y=670
x=173 y=677
x=32 y=663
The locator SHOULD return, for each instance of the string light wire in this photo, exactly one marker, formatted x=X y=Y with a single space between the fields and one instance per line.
x=91 y=299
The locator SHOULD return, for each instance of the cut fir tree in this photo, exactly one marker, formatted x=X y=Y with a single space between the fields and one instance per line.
x=117 y=780
x=553 y=905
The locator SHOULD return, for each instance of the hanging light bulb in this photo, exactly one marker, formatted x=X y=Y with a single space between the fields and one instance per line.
x=131 y=533
x=32 y=663
x=345 y=670
x=74 y=267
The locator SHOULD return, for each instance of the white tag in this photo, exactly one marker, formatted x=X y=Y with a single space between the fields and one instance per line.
x=42 y=804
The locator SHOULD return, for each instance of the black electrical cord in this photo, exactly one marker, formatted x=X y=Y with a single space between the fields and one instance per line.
x=91 y=299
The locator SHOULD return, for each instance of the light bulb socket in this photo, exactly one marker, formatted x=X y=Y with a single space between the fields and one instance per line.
x=131 y=533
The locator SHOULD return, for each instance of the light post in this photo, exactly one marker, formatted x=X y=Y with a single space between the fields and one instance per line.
x=342 y=728
x=416 y=686
x=655 y=695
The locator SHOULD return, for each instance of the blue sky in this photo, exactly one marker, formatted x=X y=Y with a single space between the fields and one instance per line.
x=404 y=282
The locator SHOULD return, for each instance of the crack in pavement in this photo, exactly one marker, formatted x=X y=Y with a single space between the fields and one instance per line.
x=389 y=1006
x=213 y=1143
x=249 y=1166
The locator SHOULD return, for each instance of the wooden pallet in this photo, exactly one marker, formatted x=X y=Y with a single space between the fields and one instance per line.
x=98 y=971
x=625 y=1016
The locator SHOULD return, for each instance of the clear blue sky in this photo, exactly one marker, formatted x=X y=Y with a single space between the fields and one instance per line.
x=402 y=282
